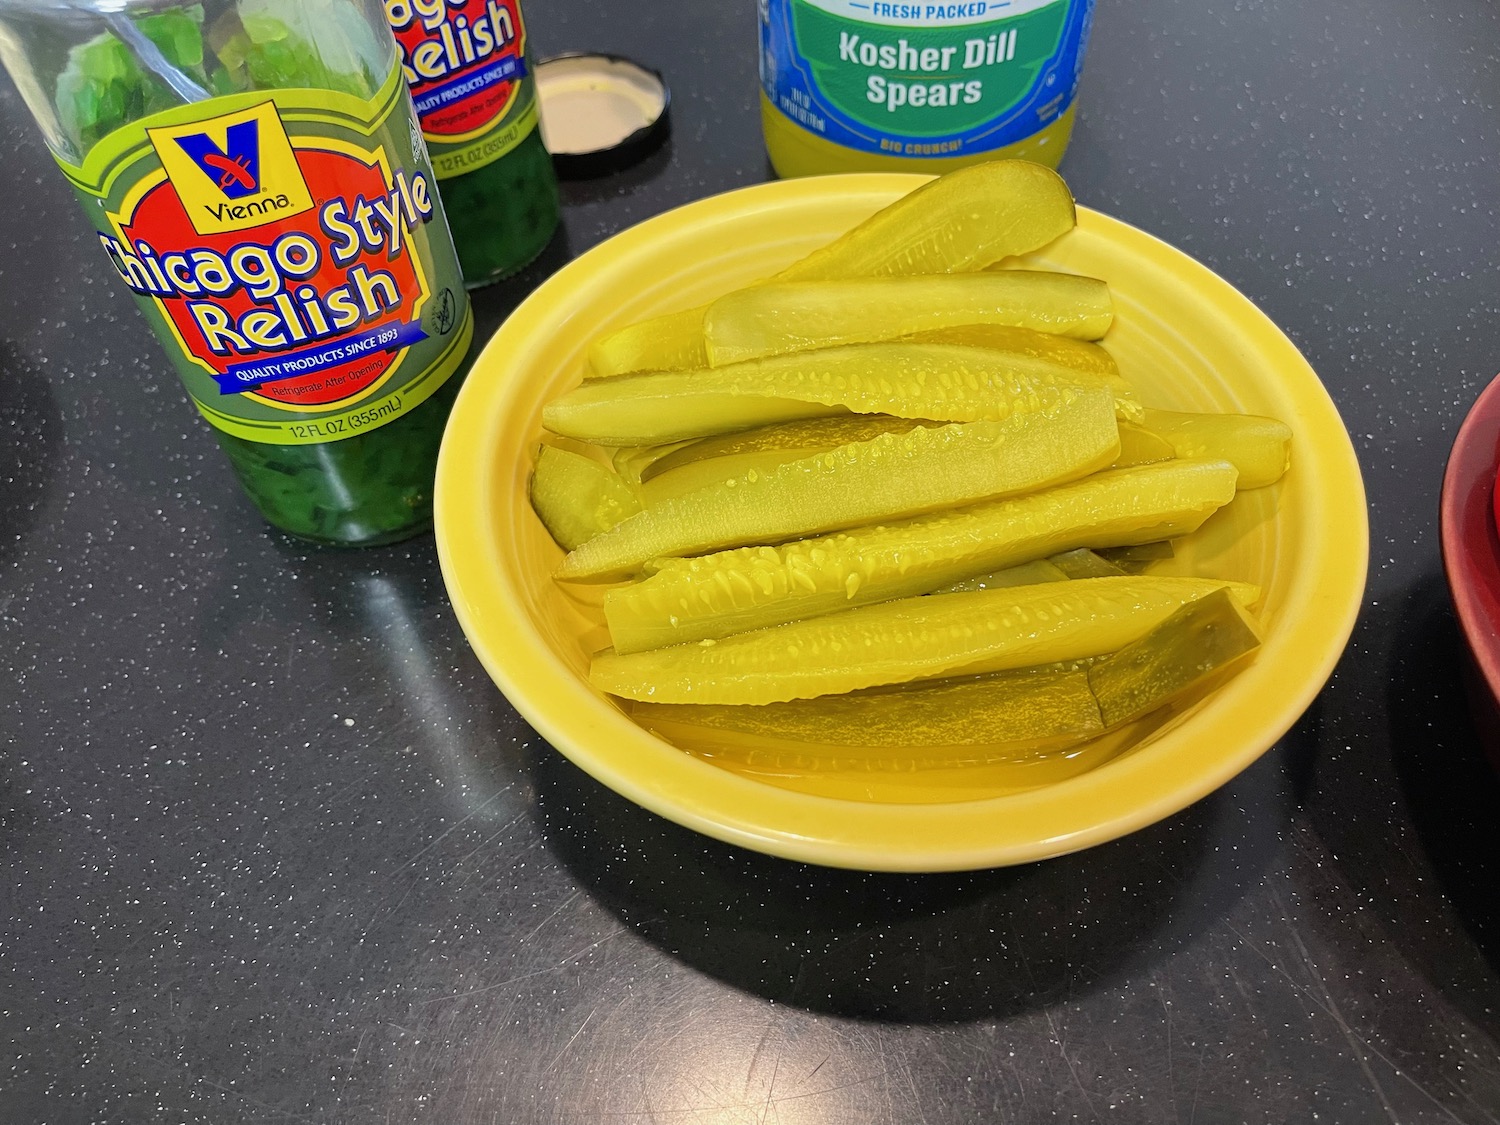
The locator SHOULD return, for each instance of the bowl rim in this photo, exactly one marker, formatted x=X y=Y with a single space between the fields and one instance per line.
x=1468 y=536
x=1061 y=818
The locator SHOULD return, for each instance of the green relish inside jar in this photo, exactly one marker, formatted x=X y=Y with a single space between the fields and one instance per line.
x=471 y=80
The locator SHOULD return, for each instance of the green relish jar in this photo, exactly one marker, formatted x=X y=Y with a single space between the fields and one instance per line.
x=257 y=179
x=467 y=64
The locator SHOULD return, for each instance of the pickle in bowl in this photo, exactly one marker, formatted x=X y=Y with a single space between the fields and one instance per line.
x=856 y=518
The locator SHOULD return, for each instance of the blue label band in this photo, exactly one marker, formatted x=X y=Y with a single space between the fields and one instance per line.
x=501 y=70
x=381 y=338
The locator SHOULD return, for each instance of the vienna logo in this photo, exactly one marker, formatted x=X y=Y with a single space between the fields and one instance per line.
x=235 y=168
x=233 y=172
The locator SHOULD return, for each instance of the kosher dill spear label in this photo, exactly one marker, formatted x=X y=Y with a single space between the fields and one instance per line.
x=289 y=248
x=923 y=80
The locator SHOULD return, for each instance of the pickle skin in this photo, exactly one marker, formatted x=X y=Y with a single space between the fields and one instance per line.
x=1139 y=446
x=889 y=477
x=1002 y=717
x=909 y=639
x=756 y=587
x=635 y=463
x=776 y=318
x=1194 y=647
x=1084 y=563
x=1138 y=558
x=1022 y=574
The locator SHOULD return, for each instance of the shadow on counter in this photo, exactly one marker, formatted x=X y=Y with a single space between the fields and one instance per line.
x=1452 y=797
x=29 y=419
x=388 y=605
x=30 y=453
x=935 y=948
x=597 y=189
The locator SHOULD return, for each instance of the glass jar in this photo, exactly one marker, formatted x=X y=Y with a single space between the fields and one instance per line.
x=471 y=79
x=256 y=176
x=856 y=86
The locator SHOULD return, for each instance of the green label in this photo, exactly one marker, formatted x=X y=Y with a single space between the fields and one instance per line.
x=929 y=79
x=290 y=250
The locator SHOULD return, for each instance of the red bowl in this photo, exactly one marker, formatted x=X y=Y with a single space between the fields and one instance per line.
x=1471 y=556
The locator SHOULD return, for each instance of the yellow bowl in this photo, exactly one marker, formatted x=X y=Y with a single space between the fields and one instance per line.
x=1186 y=338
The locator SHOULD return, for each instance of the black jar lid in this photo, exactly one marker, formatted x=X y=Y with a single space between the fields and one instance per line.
x=600 y=113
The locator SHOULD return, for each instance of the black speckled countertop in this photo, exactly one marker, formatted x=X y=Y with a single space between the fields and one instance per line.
x=275 y=850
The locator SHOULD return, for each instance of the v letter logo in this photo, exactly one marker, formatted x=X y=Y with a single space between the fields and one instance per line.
x=235 y=168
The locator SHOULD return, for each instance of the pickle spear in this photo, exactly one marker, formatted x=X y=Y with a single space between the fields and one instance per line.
x=576 y=497
x=1259 y=447
x=754 y=587
x=889 y=477
x=962 y=221
x=1002 y=716
x=1012 y=714
x=697 y=464
x=811 y=435
x=784 y=317
x=659 y=344
x=941 y=382
x=1066 y=350
x=909 y=639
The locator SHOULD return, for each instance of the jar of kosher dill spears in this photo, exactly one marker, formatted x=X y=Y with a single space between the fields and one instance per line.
x=257 y=179
x=868 y=86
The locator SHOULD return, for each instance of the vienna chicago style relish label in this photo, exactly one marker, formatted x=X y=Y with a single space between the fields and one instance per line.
x=465 y=61
x=290 y=249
